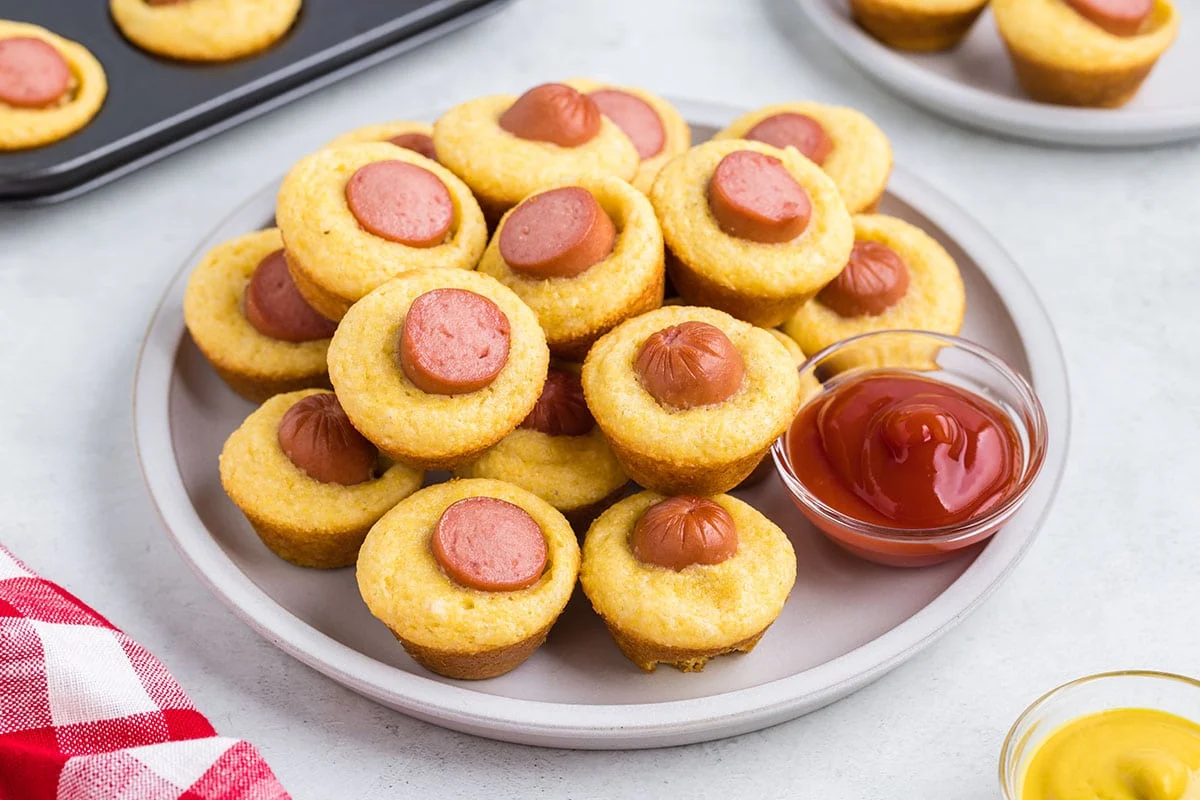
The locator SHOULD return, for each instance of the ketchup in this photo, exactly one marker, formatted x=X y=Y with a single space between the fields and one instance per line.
x=894 y=449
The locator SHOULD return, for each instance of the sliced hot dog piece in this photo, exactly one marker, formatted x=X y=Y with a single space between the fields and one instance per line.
x=753 y=196
x=561 y=410
x=401 y=202
x=417 y=142
x=316 y=435
x=33 y=74
x=453 y=342
x=557 y=234
x=554 y=113
x=684 y=530
x=635 y=117
x=794 y=130
x=873 y=280
x=689 y=365
x=1118 y=17
x=489 y=544
x=274 y=307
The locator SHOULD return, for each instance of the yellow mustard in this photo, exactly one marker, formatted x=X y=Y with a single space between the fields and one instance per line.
x=1122 y=754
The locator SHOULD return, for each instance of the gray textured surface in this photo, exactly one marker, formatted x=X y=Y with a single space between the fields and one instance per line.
x=1108 y=239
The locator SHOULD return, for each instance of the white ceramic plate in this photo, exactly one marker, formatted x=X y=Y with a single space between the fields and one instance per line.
x=847 y=622
x=975 y=84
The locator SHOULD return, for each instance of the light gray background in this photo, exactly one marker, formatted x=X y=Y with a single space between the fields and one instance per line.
x=1109 y=240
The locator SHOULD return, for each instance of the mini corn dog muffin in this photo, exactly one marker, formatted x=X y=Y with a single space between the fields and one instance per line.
x=845 y=143
x=584 y=256
x=50 y=87
x=250 y=322
x=1085 y=52
x=897 y=277
x=690 y=399
x=469 y=575
x=415 y=136
x=750 y=229
x=656 y=128
x=354 y=216
x=310 y=485
x=918 y=25
x=437 y=365
x=507 y=148
x=557 y=453
x=204 y=30
x=679 y=580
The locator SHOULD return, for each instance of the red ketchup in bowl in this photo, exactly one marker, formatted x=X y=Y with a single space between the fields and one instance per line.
x=903 y=455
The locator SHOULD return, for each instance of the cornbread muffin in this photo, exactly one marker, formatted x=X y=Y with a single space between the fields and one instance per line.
x=1063 y=57
x=449 y=628
x=656 y=128
x=576 y=309
x=557 y=453
x=850 y=148
x=762 y=282
x=416 y=136
x=428 y=428
x=916 y=287
x=47 y=94
x=334 y=259
x=690 y=399
x=684 y=617
x=918 y=25
x=204 y=30
x=502 y=167
x=254 y=364
x=309 y=522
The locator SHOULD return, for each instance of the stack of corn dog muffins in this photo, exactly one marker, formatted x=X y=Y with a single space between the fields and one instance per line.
x=590 y=322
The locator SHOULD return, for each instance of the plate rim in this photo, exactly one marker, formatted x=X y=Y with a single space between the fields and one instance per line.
x=983 y=110
x=637 y=725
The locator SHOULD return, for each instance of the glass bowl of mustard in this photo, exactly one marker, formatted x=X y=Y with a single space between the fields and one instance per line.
x=1132 y=735
x=916 y=447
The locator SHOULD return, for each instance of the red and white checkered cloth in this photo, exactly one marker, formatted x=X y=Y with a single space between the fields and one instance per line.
x=86 y=713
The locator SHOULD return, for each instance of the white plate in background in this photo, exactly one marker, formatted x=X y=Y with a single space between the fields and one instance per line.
x=974 y=84
x=846 y=623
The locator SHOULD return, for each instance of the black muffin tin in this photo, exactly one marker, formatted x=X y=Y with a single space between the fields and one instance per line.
x=156 y=106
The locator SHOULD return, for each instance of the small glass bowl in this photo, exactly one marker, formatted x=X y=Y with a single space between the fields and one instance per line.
x=1160 y=691
x=951 y=360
